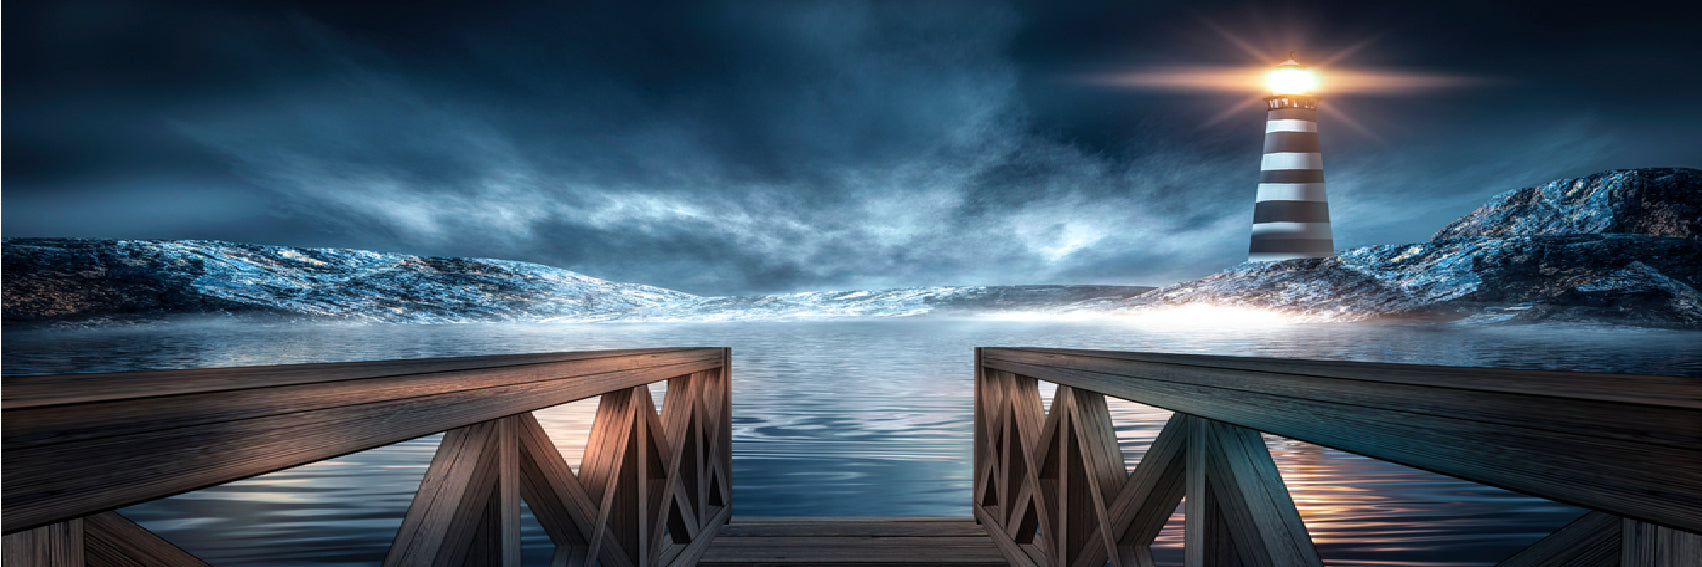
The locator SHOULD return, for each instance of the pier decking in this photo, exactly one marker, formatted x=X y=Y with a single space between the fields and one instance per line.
x=836 y=542
x=1050 y=489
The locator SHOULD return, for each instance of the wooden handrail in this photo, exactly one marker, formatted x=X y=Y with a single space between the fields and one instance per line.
x=1626 y=445
x=79 y=445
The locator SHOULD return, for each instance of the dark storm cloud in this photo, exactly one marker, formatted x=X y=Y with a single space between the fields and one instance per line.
x=721 y=147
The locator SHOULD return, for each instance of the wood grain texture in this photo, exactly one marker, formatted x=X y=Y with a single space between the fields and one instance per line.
x=1592 y=540
x=73 y=449
x=451 y=501
x=54 y=545
x=59 y=389
x=631 y=507
x=1207 y=541
x=652 y=488
x=112 y=540
x=1649 y=545
x=1255 y=504
x=1624 y=444
x=814 y=541
x=1051 y=487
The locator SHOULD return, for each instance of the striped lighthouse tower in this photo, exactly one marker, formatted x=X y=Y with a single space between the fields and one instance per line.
x=1292 y=217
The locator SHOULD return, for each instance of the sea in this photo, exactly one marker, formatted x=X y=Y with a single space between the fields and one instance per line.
x=868 y=417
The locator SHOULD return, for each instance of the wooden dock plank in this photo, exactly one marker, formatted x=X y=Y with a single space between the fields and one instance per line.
x=848 y=541
x=861 y=529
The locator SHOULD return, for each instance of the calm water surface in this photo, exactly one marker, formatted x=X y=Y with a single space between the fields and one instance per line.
x=848 y=418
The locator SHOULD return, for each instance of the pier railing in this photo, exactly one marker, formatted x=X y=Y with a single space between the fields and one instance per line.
x=652 y=489
x=1051 y=488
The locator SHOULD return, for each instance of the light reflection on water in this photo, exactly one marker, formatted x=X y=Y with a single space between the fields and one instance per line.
x=848 y=418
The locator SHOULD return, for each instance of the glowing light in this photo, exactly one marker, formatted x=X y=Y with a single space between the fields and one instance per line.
x=1353 y=81
x=1292 y=80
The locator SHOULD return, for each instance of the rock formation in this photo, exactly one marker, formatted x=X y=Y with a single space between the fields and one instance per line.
x=1618 y=246
x=69 y=279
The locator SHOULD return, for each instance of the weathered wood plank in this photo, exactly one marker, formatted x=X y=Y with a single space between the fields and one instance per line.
x=507 y=504
x=868 y=527
x=59 y=544
x=437 y=530
x=1008 y=547
x=1642 y=460
x=978 y=541
x=1150 y=495
x=1207 y=541
x=77 y=474
x=1592 y=540
x=1255 y=502
x=809 y=541
x=843 y=520
x=560 y=502
x=1102 y=461
x=112 y=540
x=1649 y=545
x=1629 y=388
x=62 y=423
x=706 y=535
x=1569 y=410
x=59 y=389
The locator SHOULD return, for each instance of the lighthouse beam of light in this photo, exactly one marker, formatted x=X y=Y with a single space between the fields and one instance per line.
x=1328 y=80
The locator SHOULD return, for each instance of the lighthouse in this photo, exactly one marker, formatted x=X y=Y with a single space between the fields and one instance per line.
x=1292 y=217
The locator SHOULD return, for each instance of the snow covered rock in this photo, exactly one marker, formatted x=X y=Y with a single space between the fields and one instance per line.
x=1620 y=246
x=64 y=278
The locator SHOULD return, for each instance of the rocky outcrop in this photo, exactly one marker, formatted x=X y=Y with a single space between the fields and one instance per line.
x=1650 y=202
x=1621 y=246
x=98 y=281
x=80 y=279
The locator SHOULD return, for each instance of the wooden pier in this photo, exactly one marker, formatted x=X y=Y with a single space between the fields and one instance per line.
x=1050 y=486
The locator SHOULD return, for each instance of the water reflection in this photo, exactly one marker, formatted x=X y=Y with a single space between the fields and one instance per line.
x=848 y=418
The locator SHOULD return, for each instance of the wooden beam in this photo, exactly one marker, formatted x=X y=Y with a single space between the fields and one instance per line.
x=112 y=540
x=706 y=535
x=1206 y=539
x=450 y=503
x=1629 y=445
x=507 y=504
x=111 y=445
x=1152 y=492
x=560 y=502
x=62 y=389
x=1254 y=501
x=1592 y=540
x=59 y=544
x=1649 y=545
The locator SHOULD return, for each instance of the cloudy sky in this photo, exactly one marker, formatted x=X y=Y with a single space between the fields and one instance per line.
x=769 y=146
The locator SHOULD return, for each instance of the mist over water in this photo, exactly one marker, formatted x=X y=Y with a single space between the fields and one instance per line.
x=848 y=418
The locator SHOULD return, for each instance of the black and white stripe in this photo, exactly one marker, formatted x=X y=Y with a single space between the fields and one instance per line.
x=1292 y=217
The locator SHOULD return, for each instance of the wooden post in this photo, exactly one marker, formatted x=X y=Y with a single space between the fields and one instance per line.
x=1650 y=545
x=58 y=544
x=1206 y=539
